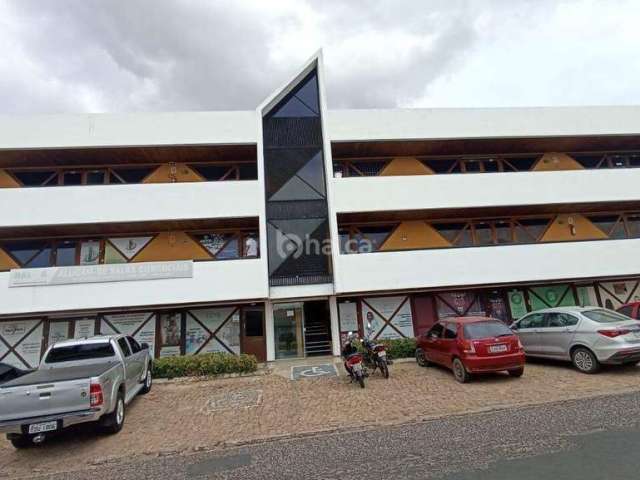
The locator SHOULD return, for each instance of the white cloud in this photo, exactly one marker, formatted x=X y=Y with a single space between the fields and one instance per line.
x=118 y=55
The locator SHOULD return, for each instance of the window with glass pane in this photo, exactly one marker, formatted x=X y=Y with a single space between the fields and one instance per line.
x=503 y=231
x=95 y=177
x=130 y=175
x=465 y=238
x=449 y=231
x=529 y=230
x=24 y=250
x=33 y=178
x=72 y=178
x=606 y=223
x=230 y=250
x=376 y=234
x=89 y=252
x=65 y=253
x=483 y=233
x=42 y=259
x=251 y=245
x=633 y=225
x=473 y=166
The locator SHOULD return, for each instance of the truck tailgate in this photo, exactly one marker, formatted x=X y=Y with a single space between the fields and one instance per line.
x=26 y=401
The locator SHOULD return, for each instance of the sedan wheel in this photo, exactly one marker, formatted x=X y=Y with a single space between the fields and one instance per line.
x=585 y=361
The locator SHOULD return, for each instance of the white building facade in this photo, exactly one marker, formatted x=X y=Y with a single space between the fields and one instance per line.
x=277 y=231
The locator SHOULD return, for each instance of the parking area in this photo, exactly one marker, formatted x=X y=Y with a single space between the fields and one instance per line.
x=182 y=417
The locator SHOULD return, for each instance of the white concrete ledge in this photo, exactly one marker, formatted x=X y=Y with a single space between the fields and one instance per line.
x=379 y=194
x=454 y=267
x=129 y=203
x=214 y=281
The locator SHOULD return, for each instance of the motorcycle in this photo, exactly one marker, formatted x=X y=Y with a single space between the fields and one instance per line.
x=375 y=355
x=357 y=371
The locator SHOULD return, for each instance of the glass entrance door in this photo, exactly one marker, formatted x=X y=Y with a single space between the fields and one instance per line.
x=288 y=321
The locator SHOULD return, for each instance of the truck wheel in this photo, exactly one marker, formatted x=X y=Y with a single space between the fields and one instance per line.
x=148 y=380
x=20 y=441
x=113 y=422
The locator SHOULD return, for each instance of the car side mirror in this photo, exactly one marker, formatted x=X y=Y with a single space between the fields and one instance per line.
x=145 y=346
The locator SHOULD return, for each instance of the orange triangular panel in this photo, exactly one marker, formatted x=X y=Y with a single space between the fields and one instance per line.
x=7 y=181
x=556 y=161
x=405 y=166
x=168 y=173
x=169 y=246
x=572 y=227
x=414 y=234
x=6 y=262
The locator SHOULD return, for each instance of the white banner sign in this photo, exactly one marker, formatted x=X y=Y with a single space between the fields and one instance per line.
x=29 y=277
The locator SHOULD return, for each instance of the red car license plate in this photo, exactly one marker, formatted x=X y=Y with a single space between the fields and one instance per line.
x=497 y=348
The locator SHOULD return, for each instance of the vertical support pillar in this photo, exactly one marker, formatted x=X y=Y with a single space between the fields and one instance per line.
x=269 y=331
x=335 y=326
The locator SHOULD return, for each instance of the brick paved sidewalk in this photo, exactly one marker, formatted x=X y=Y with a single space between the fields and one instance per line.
x=182 y=417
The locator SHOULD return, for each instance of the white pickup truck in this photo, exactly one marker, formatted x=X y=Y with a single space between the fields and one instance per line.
x=77 y=381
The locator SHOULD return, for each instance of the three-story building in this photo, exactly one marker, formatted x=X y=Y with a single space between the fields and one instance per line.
x=277 y=231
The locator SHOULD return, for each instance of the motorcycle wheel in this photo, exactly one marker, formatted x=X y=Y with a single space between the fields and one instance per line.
x=384 y=368
x=361 y=380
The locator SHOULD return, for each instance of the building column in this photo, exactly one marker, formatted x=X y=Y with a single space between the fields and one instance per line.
x=335 y=325
x=269 y=331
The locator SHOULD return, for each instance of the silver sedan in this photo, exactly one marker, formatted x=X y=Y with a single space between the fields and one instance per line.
x=586 y=336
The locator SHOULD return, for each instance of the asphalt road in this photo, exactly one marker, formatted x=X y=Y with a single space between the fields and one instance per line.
x=586 y=439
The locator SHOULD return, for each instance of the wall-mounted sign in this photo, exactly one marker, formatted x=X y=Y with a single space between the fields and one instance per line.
x=29 y=277
x=348 y=317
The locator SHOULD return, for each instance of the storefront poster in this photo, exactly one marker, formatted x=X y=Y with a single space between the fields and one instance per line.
x=130 y=246
x=587 y=296
x=29 y=348
x=90 y=252
x=455 y=304
x=142 y=323
x=372 y=308
x=170 y=334
x=84 y=328
x=551 y=296
x=615 y=294
x=199 y=340
x=517 y=304
x=348 y=317
x=58 y=331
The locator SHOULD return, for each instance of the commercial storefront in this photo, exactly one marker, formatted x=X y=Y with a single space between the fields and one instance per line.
x=278 y=231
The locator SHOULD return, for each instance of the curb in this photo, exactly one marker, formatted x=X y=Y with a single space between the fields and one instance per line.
x=177 y=380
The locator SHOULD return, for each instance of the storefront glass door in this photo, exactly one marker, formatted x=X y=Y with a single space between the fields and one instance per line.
x=288 y=320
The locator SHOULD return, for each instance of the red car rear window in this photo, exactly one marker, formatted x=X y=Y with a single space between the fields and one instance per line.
x=478 y=330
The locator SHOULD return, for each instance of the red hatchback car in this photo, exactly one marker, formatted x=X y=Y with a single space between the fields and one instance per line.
x=469 y=345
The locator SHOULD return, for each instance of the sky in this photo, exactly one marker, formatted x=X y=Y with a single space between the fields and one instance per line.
x=184 y=55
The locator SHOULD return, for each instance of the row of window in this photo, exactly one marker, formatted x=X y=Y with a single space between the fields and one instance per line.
x=119 y=175
x=489 y=164
x=94 y=251
x=500 y=231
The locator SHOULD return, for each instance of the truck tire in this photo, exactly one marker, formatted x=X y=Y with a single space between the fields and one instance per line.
x=112 y=422
x=20 y=441
x=148 y=381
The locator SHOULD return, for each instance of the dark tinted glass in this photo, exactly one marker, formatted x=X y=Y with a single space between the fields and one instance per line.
x=449 y=230
x=135 y=346
x=72 y=178
x=131 y=175
x=436 y=331
x=633 y=224
x=491 y=165
x=24 y=250
x=626 y=310
x=503 y=232
x=214 y=172
x=558 y=319
x=533 y=229
x=440 y=165
x=486 y=330
x=42 y=259
x=66 y=253
x=450 y=331
x=95 y=177
x=376 y=234
x=230 y=250
x=535 y=320
x=124 y=346
x=605 y=316
x=248 y=171
x=484 y=233
x=33 y=178
x=522 y=164
x=604 y=222
x=253 y=323
x=80 y=352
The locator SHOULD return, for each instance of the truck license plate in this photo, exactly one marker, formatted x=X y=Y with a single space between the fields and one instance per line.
x=497 y=348
x=43 y=427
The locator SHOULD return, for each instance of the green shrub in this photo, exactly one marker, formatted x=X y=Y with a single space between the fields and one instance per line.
x=401 y=347
x=204 y=365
